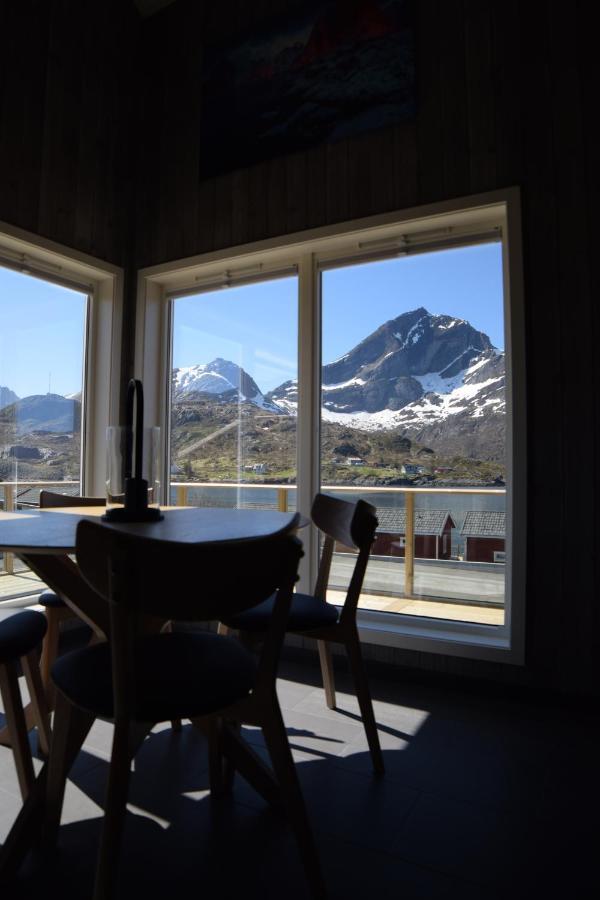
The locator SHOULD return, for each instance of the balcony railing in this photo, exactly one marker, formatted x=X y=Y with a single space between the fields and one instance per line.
x=10 y=491
x=397 y=584
x=283 y=494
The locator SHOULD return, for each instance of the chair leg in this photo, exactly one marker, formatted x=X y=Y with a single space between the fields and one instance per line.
x=229 y=769
x=50 y=651
x=215 y=757
x=285 y=771
x=327 y=672
x=114 y=814
x=175 y=723
x=71 y=726
x=17 y=729
x=37 y=694
x=361 y=684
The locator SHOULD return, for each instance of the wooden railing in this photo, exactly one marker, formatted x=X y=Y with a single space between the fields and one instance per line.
x=8 y=493
x=283 y=491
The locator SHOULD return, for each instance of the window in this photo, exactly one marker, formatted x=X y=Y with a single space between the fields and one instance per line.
x=409 y=393
x=42 y=352
x=59 y=357
x=229 y=439
x=413 y=420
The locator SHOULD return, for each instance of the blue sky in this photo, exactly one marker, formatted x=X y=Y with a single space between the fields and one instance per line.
x=42 y=325
x=256 y=325
x=41 y=335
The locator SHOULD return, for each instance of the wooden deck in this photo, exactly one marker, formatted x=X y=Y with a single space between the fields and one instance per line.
x=416 y=606
x=20 y=584
x=24 y=583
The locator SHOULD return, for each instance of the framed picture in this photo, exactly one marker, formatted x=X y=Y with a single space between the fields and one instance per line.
x=336 y=69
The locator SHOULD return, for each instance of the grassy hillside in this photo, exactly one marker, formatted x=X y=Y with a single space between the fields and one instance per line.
x=224 y=442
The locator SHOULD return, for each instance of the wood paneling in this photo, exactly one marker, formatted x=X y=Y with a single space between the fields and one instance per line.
x=504 y=97
x=65 y=117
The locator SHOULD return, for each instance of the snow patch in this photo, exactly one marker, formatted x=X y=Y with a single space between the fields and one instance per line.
x=433 y=381
x=342 y=384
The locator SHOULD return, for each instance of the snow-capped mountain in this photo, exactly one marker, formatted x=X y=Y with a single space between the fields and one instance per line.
x=425 y=374
x=223 y=379
x=433 y=377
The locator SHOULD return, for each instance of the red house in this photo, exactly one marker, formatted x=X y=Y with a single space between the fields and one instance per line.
x=433 y=531
x=484 y=532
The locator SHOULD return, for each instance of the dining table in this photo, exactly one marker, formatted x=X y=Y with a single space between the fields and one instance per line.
x=45 y=540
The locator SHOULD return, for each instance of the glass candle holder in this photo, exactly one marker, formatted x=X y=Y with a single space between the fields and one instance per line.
x=116 y=456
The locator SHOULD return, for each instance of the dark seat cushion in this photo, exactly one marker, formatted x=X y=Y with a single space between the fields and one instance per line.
x=20 y=633
x=179 y=676
x=306 y=613
x=51 y=600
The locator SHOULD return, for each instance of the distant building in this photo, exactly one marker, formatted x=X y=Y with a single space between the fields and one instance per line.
x=354 y=461
x=484 y=532
x=257 y=468
x=411 y=469
x=433 y=533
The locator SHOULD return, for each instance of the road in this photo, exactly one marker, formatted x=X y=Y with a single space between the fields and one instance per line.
x=451 y=580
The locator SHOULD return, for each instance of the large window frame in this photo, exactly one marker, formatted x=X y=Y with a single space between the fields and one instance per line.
x=456 y=222
x=103 y=284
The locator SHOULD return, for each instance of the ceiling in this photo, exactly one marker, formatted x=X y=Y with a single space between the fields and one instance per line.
x=149 y=7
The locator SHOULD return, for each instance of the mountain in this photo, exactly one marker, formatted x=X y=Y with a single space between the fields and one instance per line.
x=434 y=377
x=42 y=412
x=221 y=379
x=7 y=397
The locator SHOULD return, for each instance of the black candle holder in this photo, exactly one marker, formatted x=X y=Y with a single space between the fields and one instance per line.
x=135 y=508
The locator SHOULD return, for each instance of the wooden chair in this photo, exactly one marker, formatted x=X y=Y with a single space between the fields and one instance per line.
x=20 y=634
x=55 y=608
x=137 y=680
x=351 y=525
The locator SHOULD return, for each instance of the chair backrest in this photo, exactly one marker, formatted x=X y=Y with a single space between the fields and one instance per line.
x=352 y=525
x=184 y=581
x=140 y=575
x=53 y=500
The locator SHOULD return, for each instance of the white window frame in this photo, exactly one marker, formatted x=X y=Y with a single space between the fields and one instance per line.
x=103 y=284
x=355 y=241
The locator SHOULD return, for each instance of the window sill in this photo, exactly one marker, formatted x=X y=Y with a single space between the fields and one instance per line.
x=464 y=639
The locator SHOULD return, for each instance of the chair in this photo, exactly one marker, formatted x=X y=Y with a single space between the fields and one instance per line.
x=55 y=609
x=138 y=680
x=20 y=635
x=350 y=525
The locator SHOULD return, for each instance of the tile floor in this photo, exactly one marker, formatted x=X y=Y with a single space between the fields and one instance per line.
x=482 y=798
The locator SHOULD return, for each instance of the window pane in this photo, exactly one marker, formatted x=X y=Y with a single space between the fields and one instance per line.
x=233 y=396
x=413 y=421
x=41 y=388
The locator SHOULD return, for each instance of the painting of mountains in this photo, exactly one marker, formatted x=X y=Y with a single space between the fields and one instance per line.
x=333 y=70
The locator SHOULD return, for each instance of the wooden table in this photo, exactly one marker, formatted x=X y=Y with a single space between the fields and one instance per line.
x=43 y=539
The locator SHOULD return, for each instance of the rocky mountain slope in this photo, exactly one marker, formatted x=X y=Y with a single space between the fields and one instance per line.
x=41 y=412
x=433 y=377
x=7 y=396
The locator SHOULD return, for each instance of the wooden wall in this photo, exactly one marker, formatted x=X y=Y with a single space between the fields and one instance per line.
x=65 y=121
x=505 y=97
